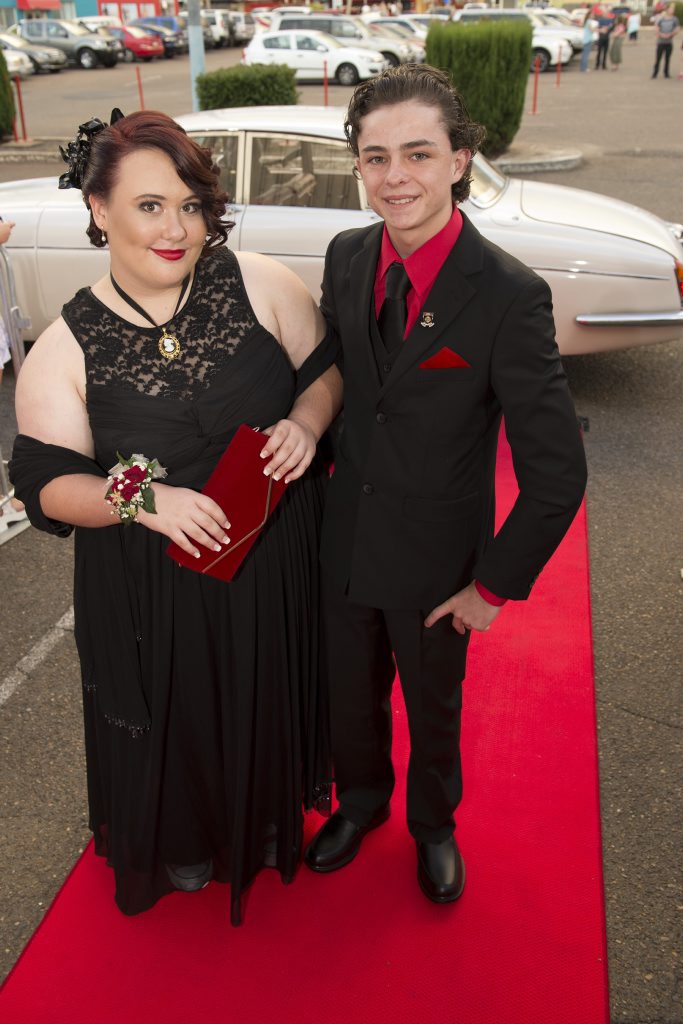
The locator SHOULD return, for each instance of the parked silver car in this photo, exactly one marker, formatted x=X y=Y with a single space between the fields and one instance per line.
x=43 y=58
x=88 y=49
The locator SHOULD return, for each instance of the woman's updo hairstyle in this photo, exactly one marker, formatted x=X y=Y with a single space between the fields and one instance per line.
x=150 y=129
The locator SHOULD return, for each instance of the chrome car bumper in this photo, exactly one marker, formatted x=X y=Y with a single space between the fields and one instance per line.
x=666 y=319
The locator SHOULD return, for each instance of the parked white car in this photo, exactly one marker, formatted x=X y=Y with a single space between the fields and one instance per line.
x=410 y=25
x=616 y=271
x=19 y=65
x=548 y=44
x=313 y=54
x=352 y=31
x=220 y=25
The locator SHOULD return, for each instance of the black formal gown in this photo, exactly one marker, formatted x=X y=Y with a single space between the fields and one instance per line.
x=205 y=714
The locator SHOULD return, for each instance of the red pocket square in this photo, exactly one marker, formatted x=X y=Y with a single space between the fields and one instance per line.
x=444 y=360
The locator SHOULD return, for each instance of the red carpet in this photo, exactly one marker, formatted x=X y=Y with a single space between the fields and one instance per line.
x=524 y=945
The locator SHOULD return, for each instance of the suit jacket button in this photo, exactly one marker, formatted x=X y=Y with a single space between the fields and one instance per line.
x=381 y=417
x=387 y=367
x=368 y=489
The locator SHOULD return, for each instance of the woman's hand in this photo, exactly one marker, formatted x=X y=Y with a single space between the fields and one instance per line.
x=292 y=447
x=5 y=230
x=188 y=518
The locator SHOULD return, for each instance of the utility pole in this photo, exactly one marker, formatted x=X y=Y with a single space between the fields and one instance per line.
x=196 y=41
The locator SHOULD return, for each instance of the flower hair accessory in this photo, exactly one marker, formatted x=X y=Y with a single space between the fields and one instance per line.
x=130 y=486
x=77 y=153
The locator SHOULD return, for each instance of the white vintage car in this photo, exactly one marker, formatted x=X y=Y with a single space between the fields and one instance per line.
x=616 y=271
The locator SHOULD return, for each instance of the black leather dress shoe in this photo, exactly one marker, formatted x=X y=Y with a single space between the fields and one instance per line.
x=338 y=841
x=440 y=870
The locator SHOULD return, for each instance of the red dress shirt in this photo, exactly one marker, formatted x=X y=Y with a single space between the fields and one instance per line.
x=422 y=268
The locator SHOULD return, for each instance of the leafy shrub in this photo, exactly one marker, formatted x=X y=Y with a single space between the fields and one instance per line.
x=257 y=85
x=489 y=65
x=7 y=109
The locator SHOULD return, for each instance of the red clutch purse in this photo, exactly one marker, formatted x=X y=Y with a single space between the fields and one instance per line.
x=247 y=497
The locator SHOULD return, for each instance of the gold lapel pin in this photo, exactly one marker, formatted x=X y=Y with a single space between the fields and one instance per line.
x=427 y=320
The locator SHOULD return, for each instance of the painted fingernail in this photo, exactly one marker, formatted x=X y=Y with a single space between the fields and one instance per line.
x=225 y=539
x=276 y=476
x=264 y=454
x=226 y=526
x=196 y=554
x=267 y=471
x=216 y=547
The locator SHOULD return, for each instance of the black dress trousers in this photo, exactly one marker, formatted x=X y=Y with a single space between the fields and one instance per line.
x=361 y=645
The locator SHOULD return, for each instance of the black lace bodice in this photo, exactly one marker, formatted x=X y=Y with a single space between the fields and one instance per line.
x=211 y=327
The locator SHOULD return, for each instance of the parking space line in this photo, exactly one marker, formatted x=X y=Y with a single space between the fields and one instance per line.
x=36 y=655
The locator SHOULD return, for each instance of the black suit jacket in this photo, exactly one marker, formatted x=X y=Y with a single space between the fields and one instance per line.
x=410 y=510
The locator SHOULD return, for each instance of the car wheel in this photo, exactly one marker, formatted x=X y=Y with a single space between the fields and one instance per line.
x=543 y=57
x=87 y=58
x=347 y=74
x=392 y=59
x=128 y=56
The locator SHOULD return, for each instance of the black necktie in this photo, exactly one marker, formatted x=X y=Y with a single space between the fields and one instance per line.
x=392 y=315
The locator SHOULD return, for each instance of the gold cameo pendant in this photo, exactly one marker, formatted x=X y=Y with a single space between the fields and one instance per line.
x=169 y=346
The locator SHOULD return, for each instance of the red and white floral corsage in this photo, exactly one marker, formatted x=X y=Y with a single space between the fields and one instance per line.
x=130 y=486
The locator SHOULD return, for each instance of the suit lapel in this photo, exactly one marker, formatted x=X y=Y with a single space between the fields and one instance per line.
x=450 y=293
x=362 y=286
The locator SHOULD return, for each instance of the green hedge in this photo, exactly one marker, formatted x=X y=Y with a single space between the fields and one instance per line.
x=489 y=65
x=7 y=109
x=258 y=85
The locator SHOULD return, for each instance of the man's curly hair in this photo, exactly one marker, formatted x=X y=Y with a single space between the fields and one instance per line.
x=426 y=85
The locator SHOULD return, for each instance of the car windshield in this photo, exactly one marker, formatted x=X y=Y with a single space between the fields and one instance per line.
x=561 y=17
x=487 y=183
x=395 y=31
x=14 y=42
x=332 y=42
x=79 y=30
x=137 y=33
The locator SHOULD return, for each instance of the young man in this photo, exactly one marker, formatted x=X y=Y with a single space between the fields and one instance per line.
x=441 y=333
x=667 y=27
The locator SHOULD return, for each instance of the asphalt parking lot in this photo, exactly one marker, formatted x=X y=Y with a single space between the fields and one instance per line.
x=624 y=124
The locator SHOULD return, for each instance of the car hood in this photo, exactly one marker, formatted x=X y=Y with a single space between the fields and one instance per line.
x=558 y=204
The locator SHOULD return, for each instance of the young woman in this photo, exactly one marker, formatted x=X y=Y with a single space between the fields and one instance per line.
x=204 y=712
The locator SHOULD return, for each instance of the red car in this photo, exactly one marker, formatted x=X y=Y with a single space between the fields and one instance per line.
x=137 y=43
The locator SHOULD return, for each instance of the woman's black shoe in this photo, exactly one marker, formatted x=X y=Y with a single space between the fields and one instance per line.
x=190 y=877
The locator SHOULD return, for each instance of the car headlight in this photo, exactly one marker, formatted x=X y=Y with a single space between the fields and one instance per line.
x=99 y=44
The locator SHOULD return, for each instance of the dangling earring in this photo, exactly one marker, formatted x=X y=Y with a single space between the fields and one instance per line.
x=104 y=238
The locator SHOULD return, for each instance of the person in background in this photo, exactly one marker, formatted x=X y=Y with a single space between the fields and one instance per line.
x=5 y=354
x=11 y=508
x=605 y=26
x=633 y=26
x=588 y=29
x=667 y=27
x=204 y=707
x=616 y=44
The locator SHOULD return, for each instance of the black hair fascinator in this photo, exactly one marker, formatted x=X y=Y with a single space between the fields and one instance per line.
x=77 y=153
